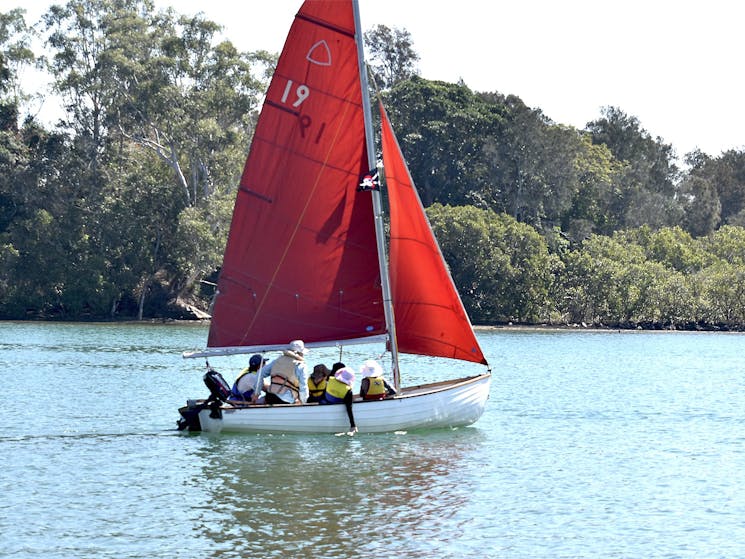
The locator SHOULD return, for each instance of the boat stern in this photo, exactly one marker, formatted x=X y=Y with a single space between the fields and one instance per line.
x=198 y=415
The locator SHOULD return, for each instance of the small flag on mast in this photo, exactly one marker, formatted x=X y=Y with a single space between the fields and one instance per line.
x=369 y=182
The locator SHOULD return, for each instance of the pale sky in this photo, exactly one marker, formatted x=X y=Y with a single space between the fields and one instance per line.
x=675 y=65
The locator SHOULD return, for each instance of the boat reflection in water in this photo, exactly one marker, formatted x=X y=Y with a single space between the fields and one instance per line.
x=286 y=495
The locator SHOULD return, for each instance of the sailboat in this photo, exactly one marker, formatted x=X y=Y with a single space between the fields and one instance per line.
x=306 y=256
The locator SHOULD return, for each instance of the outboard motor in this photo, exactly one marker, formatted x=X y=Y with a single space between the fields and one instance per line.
x=219 y=388
x=189 y=420
x=219 y=392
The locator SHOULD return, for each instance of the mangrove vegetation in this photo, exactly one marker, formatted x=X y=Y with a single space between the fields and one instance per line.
x=119 y=209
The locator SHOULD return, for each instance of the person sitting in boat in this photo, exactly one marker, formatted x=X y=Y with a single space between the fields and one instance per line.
x=244 y=385
x=317 y=382
x=339 y=391
x=288 y=376
x=373 y=385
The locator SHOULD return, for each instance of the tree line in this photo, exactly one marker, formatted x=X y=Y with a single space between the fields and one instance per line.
x=120 y=210
x=634 y=278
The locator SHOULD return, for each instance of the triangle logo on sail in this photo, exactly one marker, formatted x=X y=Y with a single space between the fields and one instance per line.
x=319 y=54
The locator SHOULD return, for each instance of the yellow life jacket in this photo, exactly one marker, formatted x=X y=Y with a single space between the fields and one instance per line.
x=376 y=389
x=336 y=388
x=283 y=376
x=316 y=389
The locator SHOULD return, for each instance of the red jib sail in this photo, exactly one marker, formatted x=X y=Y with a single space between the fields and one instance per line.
x=430 y=318
x=301 y=259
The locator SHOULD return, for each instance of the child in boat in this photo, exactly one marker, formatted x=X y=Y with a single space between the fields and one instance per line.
x=243 y=387
x=339 y=391
x=373 y=385
x=317 y=382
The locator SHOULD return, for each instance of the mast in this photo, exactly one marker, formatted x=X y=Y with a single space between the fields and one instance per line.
x=377 y=200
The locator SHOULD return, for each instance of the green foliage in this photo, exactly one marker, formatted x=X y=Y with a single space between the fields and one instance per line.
x=124 y=208
x=723 y=288
x=673 y=247
x=649 y=184
x=726 y=244
x=531 y=164
x=491 y=151
x=15 y=52
x=506 y=272
x=702 y=208
x=663 y=279
x=392 y=55
x=716 y=191
x=602 y=281
x=594 y=207
x=134 y=201
x=442 y=129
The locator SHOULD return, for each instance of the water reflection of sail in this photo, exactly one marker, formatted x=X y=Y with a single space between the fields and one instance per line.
x=287 y=495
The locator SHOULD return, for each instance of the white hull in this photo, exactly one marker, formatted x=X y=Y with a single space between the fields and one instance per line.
x=445 y=404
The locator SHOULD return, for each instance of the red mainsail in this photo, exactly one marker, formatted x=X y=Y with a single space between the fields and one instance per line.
x=430 y=318
x=301 y=259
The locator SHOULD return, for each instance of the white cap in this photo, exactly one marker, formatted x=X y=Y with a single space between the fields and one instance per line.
x=298 y=346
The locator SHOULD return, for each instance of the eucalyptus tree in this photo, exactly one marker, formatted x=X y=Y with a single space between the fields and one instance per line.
x=192 y=106
x=649 y=194
x=724 y=180
x=31 y=237
x=730 y=183
x=594 y=207
x=442 y=129
x=532 y=164
x=701 y=205
x=15 y=55
x=220 y=95
x=191 y=102
x=79 y=35
x=392 y=55
x=162 y=112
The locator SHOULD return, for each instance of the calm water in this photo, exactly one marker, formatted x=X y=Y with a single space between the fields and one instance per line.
x=592 y=445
